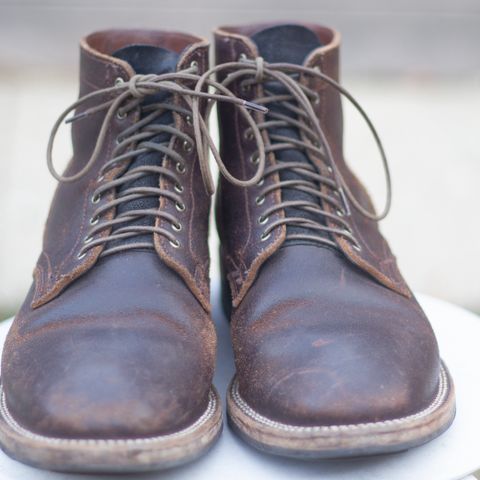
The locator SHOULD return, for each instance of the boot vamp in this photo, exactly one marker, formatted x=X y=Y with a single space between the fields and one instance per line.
x=318 y=342
x=125 y=351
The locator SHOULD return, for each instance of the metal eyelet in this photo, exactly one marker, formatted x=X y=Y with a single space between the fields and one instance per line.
x=340 y=213
x=121 y=116
x=255 y=158
x=248 y=134
x=100 y=179
x=177 y=227
x=87 y=239
x=316 y=100
x=357 y=247
x=178 y=188
x=180 y=167
x=94 y=220
x=194 y=64
x=262 y=220
x=265 y=236
x=242 y=56
x=261 y=182
x=119 y=81
x=174 y=243
x=96 y=198
x=189 y=120
x=180 y=206
x=81 y=255
x=260 y=199
x=329 y=169
x=187 y=146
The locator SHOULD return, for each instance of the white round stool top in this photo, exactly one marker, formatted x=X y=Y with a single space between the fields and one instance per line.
x=454 y=455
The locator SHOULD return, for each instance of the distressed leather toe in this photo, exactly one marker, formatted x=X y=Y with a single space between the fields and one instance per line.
x=91 y=365
x=343 y=350
x=108 y=365
x=334 y=356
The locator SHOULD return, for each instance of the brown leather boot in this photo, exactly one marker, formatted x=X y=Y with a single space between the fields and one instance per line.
x=108 y=365
x=334 y=356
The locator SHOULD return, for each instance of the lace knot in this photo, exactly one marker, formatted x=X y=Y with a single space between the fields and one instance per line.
x=260 y=69
x=136 y=90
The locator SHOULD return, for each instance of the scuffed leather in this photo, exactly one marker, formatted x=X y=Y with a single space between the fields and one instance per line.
x=375 y=257
x=192 y=260
x=71 y=210
x=320 y=336
x=120 y=346
x=244 y=253
x=125 y=351
x=317 y=342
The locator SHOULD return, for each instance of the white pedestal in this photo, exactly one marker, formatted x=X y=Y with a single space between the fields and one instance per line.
x=454 y=455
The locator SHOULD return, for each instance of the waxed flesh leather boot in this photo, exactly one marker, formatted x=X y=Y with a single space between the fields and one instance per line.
x=334 y=356
x=108 y=365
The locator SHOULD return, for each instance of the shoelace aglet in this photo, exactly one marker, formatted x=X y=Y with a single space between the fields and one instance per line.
x=255 y=106
x=76 y=117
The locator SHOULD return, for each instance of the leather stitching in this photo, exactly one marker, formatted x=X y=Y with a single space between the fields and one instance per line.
x=11 y=422
x=443 y=389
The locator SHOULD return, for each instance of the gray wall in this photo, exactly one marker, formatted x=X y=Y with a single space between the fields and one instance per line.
x=423 y=36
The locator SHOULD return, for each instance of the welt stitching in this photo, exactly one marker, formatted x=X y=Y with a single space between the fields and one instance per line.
x=443 y=389
x=12 y=423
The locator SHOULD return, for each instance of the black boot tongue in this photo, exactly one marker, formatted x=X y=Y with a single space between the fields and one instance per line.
x=145 y=60
x=286 y=43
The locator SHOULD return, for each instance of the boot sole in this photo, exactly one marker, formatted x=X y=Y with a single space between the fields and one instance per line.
x=111 y=455
x=334 y=441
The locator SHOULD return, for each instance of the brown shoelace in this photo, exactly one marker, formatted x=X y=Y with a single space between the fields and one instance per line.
x=135 y=140
x=298 y=99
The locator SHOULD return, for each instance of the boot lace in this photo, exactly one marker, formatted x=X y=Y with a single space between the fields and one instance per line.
x=137 y=139
x=322 y=179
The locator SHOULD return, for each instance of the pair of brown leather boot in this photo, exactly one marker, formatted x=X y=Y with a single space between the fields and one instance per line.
x=109 y=363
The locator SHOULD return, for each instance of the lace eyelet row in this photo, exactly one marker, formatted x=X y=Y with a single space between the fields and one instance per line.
x=178 y=188
x=187 y=145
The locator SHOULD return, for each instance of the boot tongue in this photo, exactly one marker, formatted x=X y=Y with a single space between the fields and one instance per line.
x=146 y=59
x=288 y=44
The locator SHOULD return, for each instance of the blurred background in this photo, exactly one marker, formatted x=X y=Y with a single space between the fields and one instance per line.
x=413 y=64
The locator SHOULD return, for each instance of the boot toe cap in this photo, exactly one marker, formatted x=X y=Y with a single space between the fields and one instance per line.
x=318 y=375
x=106 y=384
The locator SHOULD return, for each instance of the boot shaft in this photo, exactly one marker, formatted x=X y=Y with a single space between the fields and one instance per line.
x=242 y=215
x=184 y=208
